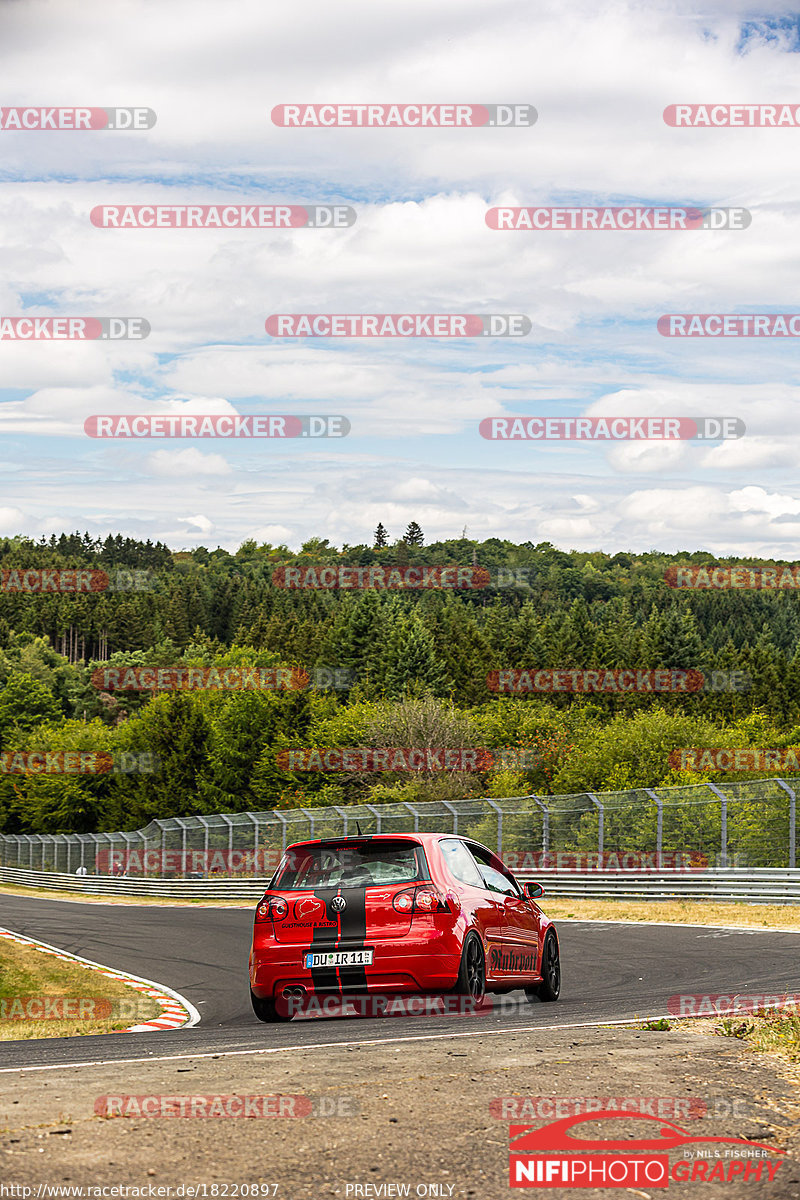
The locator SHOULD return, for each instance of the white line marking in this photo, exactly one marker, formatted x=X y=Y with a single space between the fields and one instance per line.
x=423 y=1037
x=672 y=924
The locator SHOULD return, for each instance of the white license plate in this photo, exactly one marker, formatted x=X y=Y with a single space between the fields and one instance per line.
x=339 y=958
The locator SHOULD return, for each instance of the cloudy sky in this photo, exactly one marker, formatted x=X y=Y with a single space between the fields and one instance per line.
x=599 y=76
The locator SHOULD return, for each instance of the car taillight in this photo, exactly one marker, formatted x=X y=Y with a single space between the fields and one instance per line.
x=426 y=900
x=272 y=908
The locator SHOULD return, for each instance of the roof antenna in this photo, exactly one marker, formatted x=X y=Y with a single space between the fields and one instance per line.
x=358 y=829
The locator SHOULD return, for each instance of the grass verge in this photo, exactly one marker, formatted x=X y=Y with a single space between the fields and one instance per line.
x=767 y=1031
x=679 y=912
x=771 y=1032
x=35 y=983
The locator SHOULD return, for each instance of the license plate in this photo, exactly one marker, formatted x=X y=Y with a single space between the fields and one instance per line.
x=339 y=958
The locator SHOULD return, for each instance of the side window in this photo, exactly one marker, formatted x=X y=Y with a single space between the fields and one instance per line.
x=493 y=879
x=460 y=862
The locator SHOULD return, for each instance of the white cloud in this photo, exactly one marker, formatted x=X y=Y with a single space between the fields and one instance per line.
x=599 y=76
x=177 y=463
x=199 y=523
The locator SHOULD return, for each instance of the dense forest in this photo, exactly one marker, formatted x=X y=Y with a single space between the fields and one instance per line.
x=380 y=667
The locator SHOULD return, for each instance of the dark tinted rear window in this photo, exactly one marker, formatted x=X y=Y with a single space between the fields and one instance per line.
x=359 y=864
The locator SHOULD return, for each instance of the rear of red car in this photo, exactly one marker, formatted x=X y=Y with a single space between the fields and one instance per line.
x=355 y=915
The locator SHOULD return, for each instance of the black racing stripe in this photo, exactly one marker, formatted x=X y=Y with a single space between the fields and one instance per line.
x=352 y=936
x=325 y=978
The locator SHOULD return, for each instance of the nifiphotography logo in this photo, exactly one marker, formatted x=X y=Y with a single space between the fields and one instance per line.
x=551 y=1156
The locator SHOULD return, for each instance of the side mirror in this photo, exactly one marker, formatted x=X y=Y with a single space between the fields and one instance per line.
x=533 y=890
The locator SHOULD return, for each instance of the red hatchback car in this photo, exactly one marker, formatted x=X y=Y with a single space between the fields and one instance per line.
x=393 y=913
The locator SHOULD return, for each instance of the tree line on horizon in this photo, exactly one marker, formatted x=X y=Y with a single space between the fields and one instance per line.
x=385 y=651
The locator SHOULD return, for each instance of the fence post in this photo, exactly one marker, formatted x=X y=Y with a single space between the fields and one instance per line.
x=659 y=823
x=499 y=812
x=723 y=814
x=545 y=821
x=376 y=814
x=204 y=823
x=255 y=838
x=792 y=819
x=283 y=830
x=601 y=812
x=308 y=814
x=182 y=826
x=447 y=804
x=342 y=811
x=413 y=810
x=160 y=825
x=229 y=823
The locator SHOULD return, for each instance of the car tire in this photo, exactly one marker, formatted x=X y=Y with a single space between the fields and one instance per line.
x=550 y=987
x=472 y=971
x=266 y=1009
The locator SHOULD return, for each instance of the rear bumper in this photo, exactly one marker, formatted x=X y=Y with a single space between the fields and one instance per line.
x=429 y=963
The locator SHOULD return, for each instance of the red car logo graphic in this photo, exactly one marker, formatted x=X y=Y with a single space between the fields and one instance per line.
x=556 y=1136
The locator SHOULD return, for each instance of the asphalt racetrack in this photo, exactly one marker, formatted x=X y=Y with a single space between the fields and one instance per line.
x=611 y=972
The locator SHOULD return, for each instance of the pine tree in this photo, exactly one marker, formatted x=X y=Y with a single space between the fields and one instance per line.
x=354 y=644
x=411 y=662
x=413 y=535
x=577 y=637
x=524 y=648
x=381 y=537
x=681 y=645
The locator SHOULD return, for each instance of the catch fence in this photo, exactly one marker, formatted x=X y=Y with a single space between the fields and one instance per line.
x=746 y=826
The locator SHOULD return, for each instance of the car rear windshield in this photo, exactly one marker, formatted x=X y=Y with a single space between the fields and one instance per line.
x=359 y=864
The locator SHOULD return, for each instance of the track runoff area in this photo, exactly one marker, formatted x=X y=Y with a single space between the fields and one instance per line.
x=441 y=1102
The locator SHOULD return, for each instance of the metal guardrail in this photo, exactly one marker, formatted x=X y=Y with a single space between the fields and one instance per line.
x=110 y=885
x=778 y=886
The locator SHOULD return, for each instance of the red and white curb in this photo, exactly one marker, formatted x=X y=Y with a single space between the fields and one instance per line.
x=176 y=1011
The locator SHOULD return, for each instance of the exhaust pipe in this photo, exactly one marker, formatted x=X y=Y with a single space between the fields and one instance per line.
x=294 y=993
